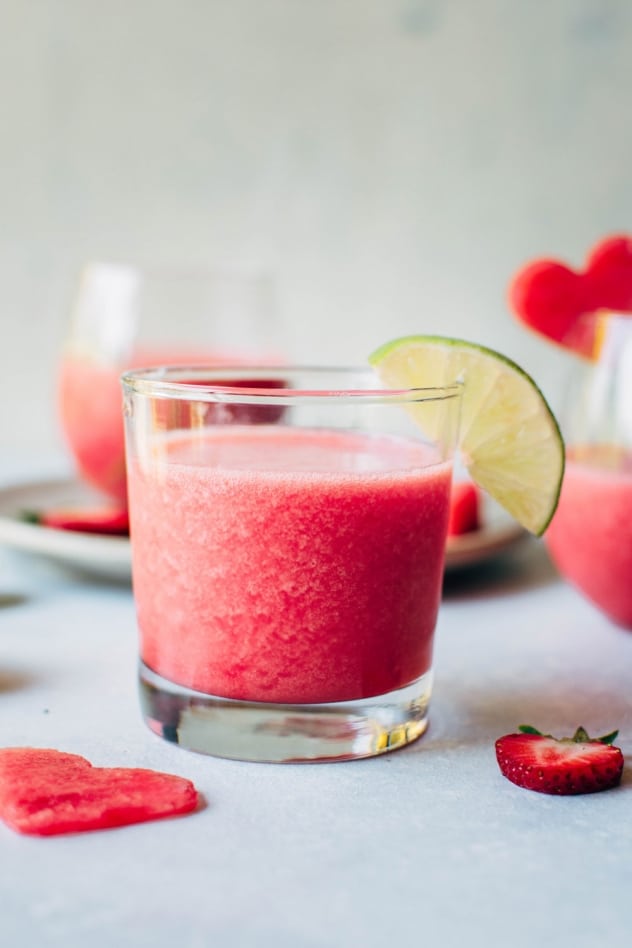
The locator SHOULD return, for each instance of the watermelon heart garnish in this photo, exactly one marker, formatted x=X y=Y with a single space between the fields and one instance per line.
x=46 y=792
x=555 y=300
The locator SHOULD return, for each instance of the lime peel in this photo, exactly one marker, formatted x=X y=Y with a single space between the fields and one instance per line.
x=510 y=441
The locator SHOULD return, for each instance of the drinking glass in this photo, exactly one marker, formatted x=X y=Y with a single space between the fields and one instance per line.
x=590 y=537
x=288 y=532
x=126 y=316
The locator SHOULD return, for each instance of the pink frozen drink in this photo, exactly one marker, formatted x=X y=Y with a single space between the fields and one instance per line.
x=279 y=564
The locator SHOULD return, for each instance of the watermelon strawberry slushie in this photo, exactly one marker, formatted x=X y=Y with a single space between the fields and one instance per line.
x=126 y=316
x=285 y=565
x=312 y=576
x=590 y=536
x=89 y=401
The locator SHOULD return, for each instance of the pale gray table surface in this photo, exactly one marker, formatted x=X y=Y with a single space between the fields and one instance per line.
x=427 y=845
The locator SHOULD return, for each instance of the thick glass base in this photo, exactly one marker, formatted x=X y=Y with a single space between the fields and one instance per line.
x=284 y=733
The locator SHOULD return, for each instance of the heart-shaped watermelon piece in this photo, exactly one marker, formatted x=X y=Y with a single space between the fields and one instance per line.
x=609 y=270
x=45 y=792
x=557 y=301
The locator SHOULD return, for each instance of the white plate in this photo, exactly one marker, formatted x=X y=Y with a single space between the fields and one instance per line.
x=107 y=556
x=499 y=535
x=111 y=556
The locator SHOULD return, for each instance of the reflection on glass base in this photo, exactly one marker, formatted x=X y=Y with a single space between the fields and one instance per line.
x=284 y=733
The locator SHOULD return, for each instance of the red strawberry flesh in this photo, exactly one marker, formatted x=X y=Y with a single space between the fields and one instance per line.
x=47 y=792
x=105 y=520
x=464 y=508
x=563 y=767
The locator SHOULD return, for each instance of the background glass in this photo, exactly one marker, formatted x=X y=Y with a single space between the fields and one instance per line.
x=126 y=317
x=590 y=537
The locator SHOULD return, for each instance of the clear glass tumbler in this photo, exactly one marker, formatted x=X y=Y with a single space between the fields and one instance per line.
x=590 y=537
x=288 y=532
x=126 y=316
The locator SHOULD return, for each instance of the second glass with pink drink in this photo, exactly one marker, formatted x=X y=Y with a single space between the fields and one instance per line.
x=288 y=534
x=590 y=536
x=128 y=316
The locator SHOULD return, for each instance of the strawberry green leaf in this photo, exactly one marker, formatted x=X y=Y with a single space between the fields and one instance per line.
x=607 y=738
x=581 y=735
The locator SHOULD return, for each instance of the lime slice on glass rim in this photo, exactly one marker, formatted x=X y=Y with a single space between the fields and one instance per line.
x=510 y=442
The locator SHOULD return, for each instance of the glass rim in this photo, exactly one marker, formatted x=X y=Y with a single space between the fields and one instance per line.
x=217 y=384
x=175 y=272
x=605 y=315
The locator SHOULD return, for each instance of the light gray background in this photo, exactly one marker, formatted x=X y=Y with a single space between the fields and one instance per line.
x=394 y=161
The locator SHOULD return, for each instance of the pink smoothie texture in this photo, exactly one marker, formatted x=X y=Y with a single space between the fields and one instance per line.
x=590 y=537
x=286 y=565
x=89 y=399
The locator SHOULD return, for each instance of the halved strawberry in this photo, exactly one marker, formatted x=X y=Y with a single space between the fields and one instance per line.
x=464 y=508
x=564 y=766
x=105 y=520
